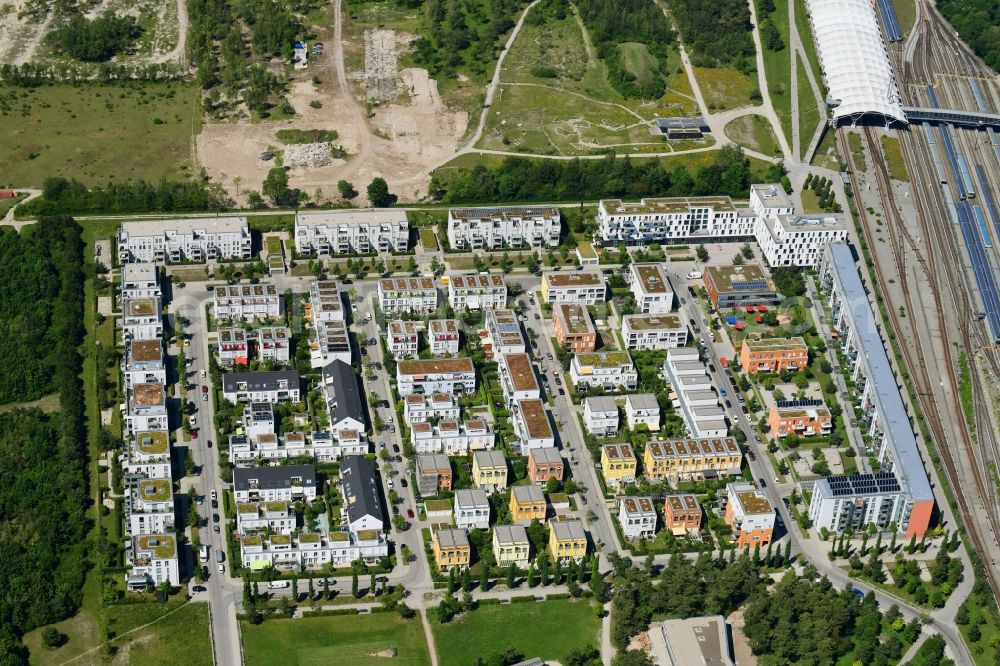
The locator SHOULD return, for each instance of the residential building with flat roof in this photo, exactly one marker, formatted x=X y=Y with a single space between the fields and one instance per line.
x=275 y=386
x=332 y=343
x=517 y=378
x=143 y=362
x=242 y=302
x=853 y=502
x=451 y=437
x=443 y=336
x=750 y=515
x=531 y=425
x=586 y=287
x=618 y=464
x=472 y=509
x=146 y=455
x=511 y=546
x=637 y=517
x=605 y=370
x=151 y=559
x=527 y=503
x=774 y=355
x=574 y=329
x=420 y=408
x=145 y=408
x=503 y=334
x=586 y=255
x=272 y=343
x=883 y=415
x=403 y=339
x=325 y=302
x=275 y=517
x=545 y=463
x=274 y=484
x=233 y=347
x=692 y=392
x=258 y=419
x=477 y=291
x=695 y=641
x=351 y=231
x=600 y=415
x=642 y=409
x=142 y=318
x=739 y=286
x=433 y=473
x=687 y=459
x=651 y=288
x=140 y=280
x=802 y=418
x=456 y=376
x=507 y=226
x=451 y=549
x=149 y=507
x=682 y=514
x=567 y=540
x=798 y=240
x=415 y=295
x=489 y=470
x=653 y=331
x=312 y=551
x=184 y=239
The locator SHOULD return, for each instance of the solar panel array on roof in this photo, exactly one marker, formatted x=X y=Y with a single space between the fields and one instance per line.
x=863 y=484
x=750 y=285
x=782 y=404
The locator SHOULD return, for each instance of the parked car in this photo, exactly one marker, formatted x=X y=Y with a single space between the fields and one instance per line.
x=199 y=588
x=395 y=510
x=729 y=404
x=215 y=496
x=409 y=513
x=763 y=483
x=194 y=433
x=215 y=503
x=395 y=448
x=402 y=482
x=277 y=584
x=215 y=528
x=562 y=392
x=723 y=392
x=215 y=517
x=222 y=568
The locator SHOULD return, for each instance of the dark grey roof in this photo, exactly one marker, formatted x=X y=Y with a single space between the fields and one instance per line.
x=343 y=394
x=260 y=381
x=273 y=478
x=361 y=496
x=682 y=123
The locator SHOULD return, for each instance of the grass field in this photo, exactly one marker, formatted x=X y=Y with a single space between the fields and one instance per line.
x=826 y=152
x=894 y=158
x=906 y=13
x=638 y=61
x=777 y=67
x=806 y=37
x=754 y=132
x=809 y=113
x=7 y=204
x=857 y=152
x=549 y=630
x=97 y=133
x=810 y=203
x=342 y=639
x=724 y=88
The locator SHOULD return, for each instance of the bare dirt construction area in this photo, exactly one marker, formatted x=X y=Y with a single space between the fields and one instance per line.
x=400 y=141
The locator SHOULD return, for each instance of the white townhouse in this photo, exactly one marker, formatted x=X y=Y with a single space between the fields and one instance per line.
x=325 y=302
x=643 y=331
x=637 y=516
x=403 y=339
x=233 y=347
x=651 y=288
x=151 y=559
x=472 y=509
x=240 y=302
x=798 y=240
x=517 y=378
x=274 y=386
x=143 y=362
x=184 y=239
x=509 y=226
x=606 y=370
x=600 y=415
x=332 y=343
x=443 y=336
x=146 y=455
x=503 y=334
x=451 y=437
x=531 y=425
x=476 y=292
x=272 y=343
x=693 y=394
x=142 y=318
x=585 y=287
x=350 y=230
x=313 y=551
x=671 y=220
x=149 y=507
x=275 y=517
x=140 y=280
x=420 y=408
x=456 y=376
x=145 y=408
x=642 y=409
x=273 y=484
x=363 y=508
x=415 y=295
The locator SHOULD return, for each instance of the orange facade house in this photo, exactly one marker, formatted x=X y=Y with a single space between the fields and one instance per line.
x=803 y=421
x=682 y=514
x=574 y=330
x=774 y=355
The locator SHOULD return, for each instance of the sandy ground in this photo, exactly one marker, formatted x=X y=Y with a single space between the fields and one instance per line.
x=20 y=37
x=403 y=141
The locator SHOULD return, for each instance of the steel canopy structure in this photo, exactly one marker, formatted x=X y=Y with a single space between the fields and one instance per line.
x=855 y=60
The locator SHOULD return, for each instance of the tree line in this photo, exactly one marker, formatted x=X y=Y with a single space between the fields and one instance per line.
x=978 y=24
x=716 y=33
x=69 y=196
x=95 y=40
x=43 y=457
x=523 y=179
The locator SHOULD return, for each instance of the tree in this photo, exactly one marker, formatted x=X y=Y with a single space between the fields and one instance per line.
x=632 y=658
x=326 y=589
x=532 y=581
x=511 y=576
x=378 y=193
x=53 y=638
x=466 y=580
x=312 y=590
x=275 y=186
x=552 y=485
x=583 y=657
x=346 y=189
x=355 y=589
x=295 y=588
x=702 y=253
x=484 y=574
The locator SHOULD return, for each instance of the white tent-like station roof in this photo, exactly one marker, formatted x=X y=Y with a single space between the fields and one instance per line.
x=854 y=59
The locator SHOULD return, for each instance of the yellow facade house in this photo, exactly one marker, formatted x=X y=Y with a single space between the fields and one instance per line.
x=451 y=549
x=527 y=503
x=511 y=546
x=489 y=470
x=567 y=540
x=618 y=464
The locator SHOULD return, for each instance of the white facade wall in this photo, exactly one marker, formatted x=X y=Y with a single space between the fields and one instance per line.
x=339 y=550
x=187 y=239
x=476 y=292
x=600 y=415
x=640 y=332
x=345 y=231
x=407 y=295
x=494 y=228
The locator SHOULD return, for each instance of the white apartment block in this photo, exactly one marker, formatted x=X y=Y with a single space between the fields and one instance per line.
x=286 y=483
x=451 y=437
x=852 y=502
x=503 y=334
x=346 y=231
x=322 y=446
x=313 y=551
x=143 y=363
x=494 y=228
x=275 y=517
x=651 y=288
x=637 y=516
x=146 y=455
x=798 y=240
x=642 y=409
x=606 y=370
x=403 y=339
x=600 y=415
x=472 y=509
x=325 y=302
x=585 y=287
x=476 y=292
x=186 y=239
x=517 y=379
x=332 y=343
x=694 y=394
x=456 y=376
x=273 y=343
x=151 y=560
x=643 y=331
x=145 y=408
x=258 y=419
x=149 y=507
x=443 y=336
x=531 y=425
x=140 y=280
x=142 y=318
x=242 y=302
x=419 y=408
x=407 y=295
x=234 y=349
x=274 y=386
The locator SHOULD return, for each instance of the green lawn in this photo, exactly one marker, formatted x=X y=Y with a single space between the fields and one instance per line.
x=273 y=245
x=428 y=239
x=826 y=155
x=549 y=630
x=906 y=13
x=724 y=87
x=857 y=153
x=638 y=61
x=7 y=204
x=894 y=158
x=810 y=203
x=97 y=133
x=809 y=114
x=777 y=67
x=806 y=37
x=754 y=132
x=340 y=639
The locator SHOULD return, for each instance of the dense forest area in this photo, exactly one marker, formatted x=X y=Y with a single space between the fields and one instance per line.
x=95 y=40
x=522 y=179
x=613 y=22
x=71 y=197
x=463 y=35
x=978 y=24
x=716 y=33
x=43 y=458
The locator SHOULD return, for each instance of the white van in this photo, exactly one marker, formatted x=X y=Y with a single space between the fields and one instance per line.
x=277 y=584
